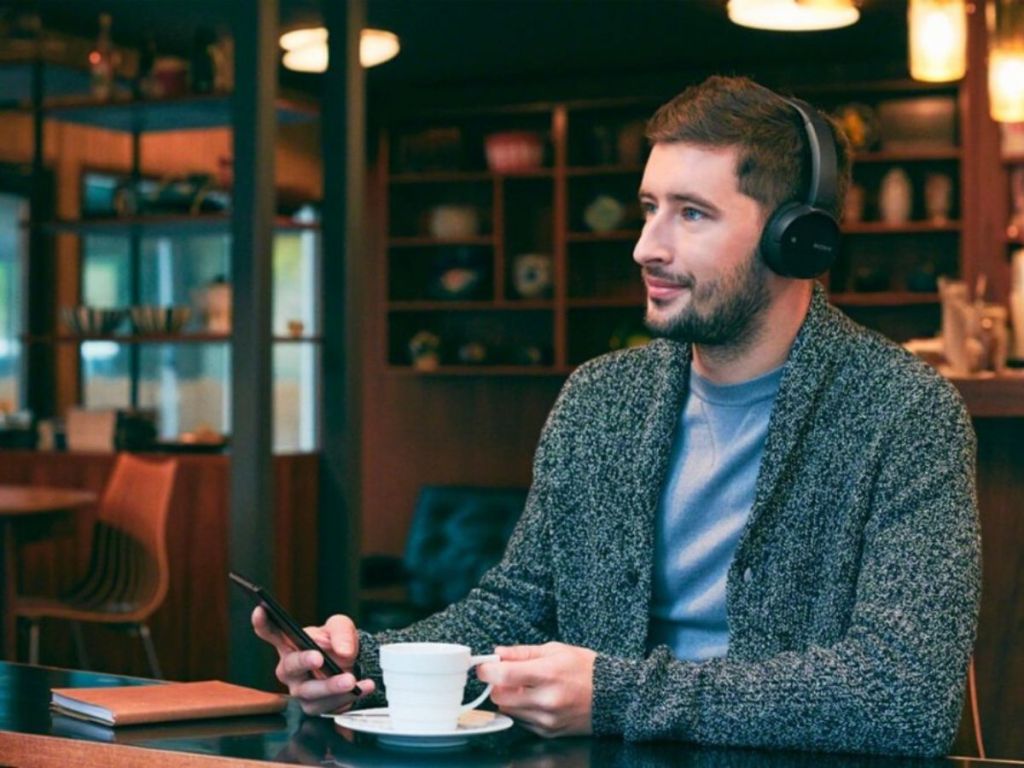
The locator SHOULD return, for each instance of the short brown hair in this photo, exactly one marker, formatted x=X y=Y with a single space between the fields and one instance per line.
x=773 y=166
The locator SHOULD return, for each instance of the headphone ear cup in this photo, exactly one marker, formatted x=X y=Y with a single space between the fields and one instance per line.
x=800 y=241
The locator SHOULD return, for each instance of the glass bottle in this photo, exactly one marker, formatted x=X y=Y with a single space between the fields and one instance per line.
x=101 y=62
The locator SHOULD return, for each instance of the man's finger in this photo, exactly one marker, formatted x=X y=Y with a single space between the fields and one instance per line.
x=343 y=637
x=515 y=673
x=301 y=664
x=522 y=652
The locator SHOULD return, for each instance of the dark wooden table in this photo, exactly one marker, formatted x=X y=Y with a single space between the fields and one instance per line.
x=30 y=736
x=20 y=507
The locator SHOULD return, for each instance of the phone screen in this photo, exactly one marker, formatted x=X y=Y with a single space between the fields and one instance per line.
x=277 y=614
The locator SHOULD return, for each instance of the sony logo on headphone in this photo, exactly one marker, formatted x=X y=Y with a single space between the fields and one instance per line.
x=822 y=247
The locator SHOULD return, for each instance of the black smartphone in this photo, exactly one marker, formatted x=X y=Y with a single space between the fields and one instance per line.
x=277 y=614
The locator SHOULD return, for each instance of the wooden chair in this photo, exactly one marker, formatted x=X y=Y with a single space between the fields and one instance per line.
x=128 y=572
x=972 y=697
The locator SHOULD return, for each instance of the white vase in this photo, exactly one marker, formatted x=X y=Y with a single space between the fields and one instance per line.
x=895 y=196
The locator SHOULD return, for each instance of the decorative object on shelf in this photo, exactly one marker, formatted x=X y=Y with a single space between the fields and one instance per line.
x=433 y=149
x=200 y=67
x=937 y=39
x=223 y=54
x=1012 y=138
x=793 y=15
x=922 y=122
x=526 y=354
x=974 y=333
x=853 y=204
x=425 y=351
x=1006 y=60
x=1017 y=302
x=214 y=303
x=860 y=124
x=631 y=143
x=151 y=319
x=870 y=279
x=135 y=429
x=92 y=321
x=460 y=273
x=604 y=214
x=1015 y=226
x=102 y=63
x=512 y=151
x=453 y=222
x=90 y=430
x=938 y=197
x=629 y=334
x=295 y=328
x=532 y=275
x=601 y=144
x=922 y=279
x=472 y=353
x=895 y=197
x=170 y=77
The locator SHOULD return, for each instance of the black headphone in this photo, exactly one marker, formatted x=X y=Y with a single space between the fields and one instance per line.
x=802 y=239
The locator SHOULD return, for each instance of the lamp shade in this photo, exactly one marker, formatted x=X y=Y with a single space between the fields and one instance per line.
x=937 y=39
x=306 y=49
x=793 y=15
x=1006 y=60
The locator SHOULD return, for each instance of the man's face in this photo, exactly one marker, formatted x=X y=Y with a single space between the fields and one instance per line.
x=705 y=281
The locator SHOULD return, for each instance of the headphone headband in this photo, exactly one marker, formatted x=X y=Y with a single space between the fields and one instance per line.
x=821 y=193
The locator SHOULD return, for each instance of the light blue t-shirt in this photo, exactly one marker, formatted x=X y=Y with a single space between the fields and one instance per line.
x=704 y=505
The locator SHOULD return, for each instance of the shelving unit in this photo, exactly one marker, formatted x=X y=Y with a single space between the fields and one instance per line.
x=138 y=117
x=885 y=276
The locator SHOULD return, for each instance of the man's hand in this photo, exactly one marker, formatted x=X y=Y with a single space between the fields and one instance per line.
x=300 y=670
x=547 y=688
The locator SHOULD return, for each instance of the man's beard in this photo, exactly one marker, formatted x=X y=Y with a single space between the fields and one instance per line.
x=733 y=303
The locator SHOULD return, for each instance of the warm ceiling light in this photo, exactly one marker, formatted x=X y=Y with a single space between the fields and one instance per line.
x=793 y=15
x=1006 y=60
x=937 y=32
x=306 y=49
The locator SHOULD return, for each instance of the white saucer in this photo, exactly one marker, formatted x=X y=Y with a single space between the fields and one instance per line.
x=377 y=722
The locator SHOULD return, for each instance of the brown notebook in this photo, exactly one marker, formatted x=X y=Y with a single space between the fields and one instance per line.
x=126 y=705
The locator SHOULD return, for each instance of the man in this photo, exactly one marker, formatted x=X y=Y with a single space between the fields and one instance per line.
x=760 y=529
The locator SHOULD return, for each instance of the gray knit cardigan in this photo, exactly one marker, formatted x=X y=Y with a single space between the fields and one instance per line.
x=852 y=599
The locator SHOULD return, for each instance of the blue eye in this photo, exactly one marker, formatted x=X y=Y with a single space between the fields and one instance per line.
x=692 y=214
x=648 y=209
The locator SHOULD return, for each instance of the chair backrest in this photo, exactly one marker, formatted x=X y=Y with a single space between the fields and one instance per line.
x=457 y=533
x=129 y=570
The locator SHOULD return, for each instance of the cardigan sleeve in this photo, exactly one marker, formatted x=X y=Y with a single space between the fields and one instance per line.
x=514 y=601
x=895 y=682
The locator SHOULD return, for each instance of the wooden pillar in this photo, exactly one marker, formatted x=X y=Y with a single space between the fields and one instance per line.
x=251 y=532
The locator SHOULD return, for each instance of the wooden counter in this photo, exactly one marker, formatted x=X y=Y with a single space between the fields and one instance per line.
x=191 y=629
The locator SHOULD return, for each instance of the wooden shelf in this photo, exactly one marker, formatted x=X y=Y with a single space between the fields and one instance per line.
x=907 y=228
x=160 y=338
x=604 y=170
x=607 y=302
x=505 y=305
x=441 y=177
x=418 y=241
x=161 y=224
x=186 y=112
x=1013 y=158
x=602 y=237
x=481 y=370
x=883 y=299
x=908 y=156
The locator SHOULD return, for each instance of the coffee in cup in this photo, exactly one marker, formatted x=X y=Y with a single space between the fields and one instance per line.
x=425 y=682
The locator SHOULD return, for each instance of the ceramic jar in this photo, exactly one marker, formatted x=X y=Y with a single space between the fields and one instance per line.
x=895 y=197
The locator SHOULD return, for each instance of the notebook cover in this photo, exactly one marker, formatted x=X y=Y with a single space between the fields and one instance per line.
x=127 y=705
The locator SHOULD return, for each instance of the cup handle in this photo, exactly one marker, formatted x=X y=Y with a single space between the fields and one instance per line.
x=473 y=661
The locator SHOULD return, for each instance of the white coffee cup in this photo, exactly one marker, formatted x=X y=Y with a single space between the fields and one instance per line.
x=425 y=682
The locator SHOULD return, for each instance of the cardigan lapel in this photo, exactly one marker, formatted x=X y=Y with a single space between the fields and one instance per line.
x=805 y=379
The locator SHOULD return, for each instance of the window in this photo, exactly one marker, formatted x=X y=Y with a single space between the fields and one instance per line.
x=13 y=250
